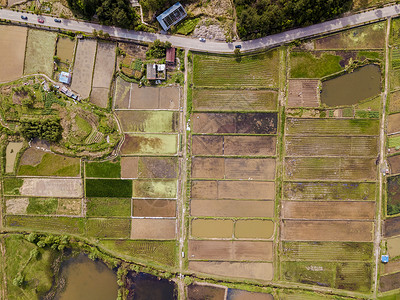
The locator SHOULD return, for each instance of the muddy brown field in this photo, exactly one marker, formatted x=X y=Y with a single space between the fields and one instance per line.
x=157 y=229
x=83 y=67
x=12 y=50
x=350 y=210
x=250 y=270
x=303 y=93
x=207 y=145
x=232 y=208
x=46 y=187
x=393 y=123
x=158 y=167
x=391 y=267
x=357 y=231
x=99 y=96
x=129 y=167
x=389 y=282
x=392 y=227
x=154 y=208
x=230 y=250
x=212 y=228
x=250 y=123
x=393 y=245
x=241 y=294
x=201 y=292
x=394 y=102
x=254 y=229
x=394 y=163
x=153 y=98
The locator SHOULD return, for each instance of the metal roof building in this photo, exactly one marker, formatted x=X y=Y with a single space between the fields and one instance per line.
x=65 y=77
x=171 y=16
x=170 y=56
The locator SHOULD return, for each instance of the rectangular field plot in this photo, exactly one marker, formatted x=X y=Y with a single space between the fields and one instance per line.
x=230 y=250
x=339 y=251
x=12 y=48
x=330 y=168
x=106 y=169
x=254 y=229
x=43 y=206
x=391 y=227
x=331 y=127
x=393 y=245
x=200 y=291
x=108 y=188
x=69 y=206
x=161 y=252
x=153 y=229
x=394 y=102
x=158 y=144
x=232 y=208
x=234 y=294
x=329 y=191
x=391 y=267
x=83 y=67
x=233 y=190
x=352 y=231
x=350 y=210
x=148 y=121
x=325 y=146
x=394 y=162
x=303 y=93
x=250 y=123
x=40 y=49
x=393 y=123
x=234 y=100
x=108 y=207
x=211 y=228
x=389 y=282
x=260 y=70
x=154 y=208
x=46 y=187
x=249 y=270
x=108 y=228
x=158 y=167
x=154 y=188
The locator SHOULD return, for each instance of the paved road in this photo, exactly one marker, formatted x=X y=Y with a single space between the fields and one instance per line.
x=211 y=46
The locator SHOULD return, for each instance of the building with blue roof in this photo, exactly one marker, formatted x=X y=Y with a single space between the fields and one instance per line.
x=385 y=259
x=65 y=77
x=171 y=16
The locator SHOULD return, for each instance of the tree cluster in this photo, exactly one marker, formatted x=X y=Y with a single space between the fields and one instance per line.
x=158 y=49
x=48 y=129
x=110 y=12
x=263 y=17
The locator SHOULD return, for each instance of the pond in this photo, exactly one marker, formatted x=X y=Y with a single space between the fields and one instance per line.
x=87 y=279
x=144 y=286
x=348 y=89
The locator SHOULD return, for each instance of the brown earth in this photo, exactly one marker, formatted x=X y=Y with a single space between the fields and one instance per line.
x=129 y=167
x=232 y=208
x=153 y=229
x=154 y=97
x=169 y=98
x=389 y=282
x=17 y=206
x=134 y=50
x=393 y=245
x=393 y=123
x=394 y=102
x=211 y=228
x=249 y=145
x=202 y=292
x=158 y=167
x=230 y=250
x=207 y=145
x=392 y=227
x=210 y=168
x=240 y=294
x=154 y=208
x=391 y=267
x=394 y=163
x=357 y=231
x=350 y=210
x=46 y=187
x=199 y=187
x=99 y=96
x=122 y=94
x=262 y=271
x=255 y=229
x=303 y=93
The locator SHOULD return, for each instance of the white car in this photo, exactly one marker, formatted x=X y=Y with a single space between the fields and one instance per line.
x=202 y=40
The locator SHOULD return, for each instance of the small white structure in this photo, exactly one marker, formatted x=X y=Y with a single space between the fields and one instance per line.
x=65 y=78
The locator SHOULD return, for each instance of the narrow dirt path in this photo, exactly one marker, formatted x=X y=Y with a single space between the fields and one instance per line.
x=382 y=164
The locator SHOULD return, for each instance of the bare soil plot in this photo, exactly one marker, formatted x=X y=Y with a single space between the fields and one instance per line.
x=11 y=154
x=357 y=231
x=332 y=126
x=232 y=208
x=234 y=294
x=391 y=227
x=207 y=145
x=262 y=271
x=16 y=206
x=394 y=102
x=211 y=228
x=212 y=168
x=69 y=206
x=12 y=52
x=394 y=163
x=391 y=267
x=122 y=93
x=160 y=144
x=169 y=98
x=230 y=250
x=234 y=100
x=47 y=187
x=129 y=167
x=250 y=145
x=250 y=168
x=148 y=121
x=198 y=188
x=393 y=245
x=328 y=145
x=303 y=93
x=99 y=96
x=154 y=208
x=255 y=229
x=83 y=67
x=393 y=123
x=157 y=229
x=389 y=282
x=154 y=97
x=350 y=210
x=154 y=188
x=251 y=123
x=329 y=191
x=330 y=168
x=158 y=167
x=201 y=292
x=40 y=49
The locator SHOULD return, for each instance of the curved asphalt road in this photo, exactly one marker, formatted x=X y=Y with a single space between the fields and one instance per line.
x=212 y=46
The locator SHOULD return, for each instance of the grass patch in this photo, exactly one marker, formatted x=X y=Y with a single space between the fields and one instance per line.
x=395 y=31
x=12 y=185
x=394 y=142
x=155 y=188
x=52 y=165
x=161 y=252
x=187 y=26
x=42 y=206
x=306 y=65
x=83 y=125
x=108 y=188
x=107 y=169
x=395 y=79
x=370 y=55
x=371 y=104
x=106 y=207
x=108 y=228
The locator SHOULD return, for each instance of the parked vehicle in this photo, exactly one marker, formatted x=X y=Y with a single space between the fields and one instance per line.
x=238 y=46
x=40 y=20
x=24 y=17
x=57 y=20
x=202 y=40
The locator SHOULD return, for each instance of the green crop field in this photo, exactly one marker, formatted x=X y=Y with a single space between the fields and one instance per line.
x=260 y=70
x=394 y=141
x=161 y=252
x=148 y=121
x=155 y=188
x=108 y=228
x=107 y=169
x=396 y=57
x=306 y=65
x=395 y=79
x=108 y=188
x=395 y=31
x=12 y=185
x=52 y=165
x=42 y=206
x=108 y=207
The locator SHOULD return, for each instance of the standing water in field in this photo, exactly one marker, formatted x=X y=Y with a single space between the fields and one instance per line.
x=351 y=88
x=144 y=286
x=87 y=280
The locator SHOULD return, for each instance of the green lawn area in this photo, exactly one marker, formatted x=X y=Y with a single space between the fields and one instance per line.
x=12 y=185
x=394 y=141
x=42 y=206
x=108 y=207
x=109 y=228
x=106 y=169
x=108 y=188
x=306 y=65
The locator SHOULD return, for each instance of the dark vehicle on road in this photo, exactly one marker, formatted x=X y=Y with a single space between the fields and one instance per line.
x=57 y=20
x=24 y=17
x=238 y=46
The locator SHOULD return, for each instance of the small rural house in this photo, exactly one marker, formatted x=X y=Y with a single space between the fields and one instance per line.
x=156 y=72
x=65 y=78
x=170 y=59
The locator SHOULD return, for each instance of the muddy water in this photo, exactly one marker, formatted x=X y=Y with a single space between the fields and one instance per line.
x=87 y=280
x=205 y=228
x=147 y=287
x=351 y=88
x=65 y=49
x=259 y=229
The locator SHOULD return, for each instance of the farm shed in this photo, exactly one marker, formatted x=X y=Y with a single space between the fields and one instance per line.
x=65 y=77
x=171 y=16
x=155 y=71
x=170 y=60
